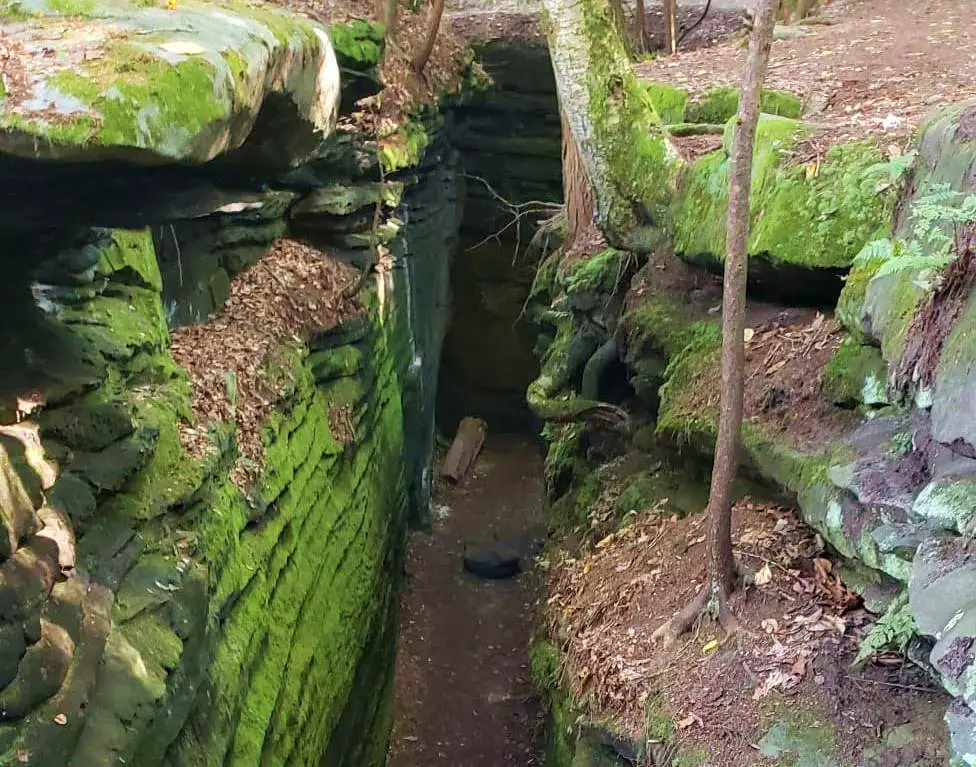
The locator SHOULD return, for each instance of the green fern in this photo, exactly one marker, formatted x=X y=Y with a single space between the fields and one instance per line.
x=914 y=263
x=893 y=170
x=892 y=633
x=936 y=216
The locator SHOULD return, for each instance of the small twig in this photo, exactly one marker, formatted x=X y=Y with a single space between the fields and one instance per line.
x=742 y=553
x=896 y=685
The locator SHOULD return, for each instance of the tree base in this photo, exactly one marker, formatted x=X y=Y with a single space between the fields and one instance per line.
x=708 y=599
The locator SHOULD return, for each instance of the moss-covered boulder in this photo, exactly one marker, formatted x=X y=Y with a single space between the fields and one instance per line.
x=808 y=221
x=717 y=105
x=150 y=84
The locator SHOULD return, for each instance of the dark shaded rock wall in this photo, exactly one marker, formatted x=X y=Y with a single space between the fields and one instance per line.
x=151 y=613
x=509 y=140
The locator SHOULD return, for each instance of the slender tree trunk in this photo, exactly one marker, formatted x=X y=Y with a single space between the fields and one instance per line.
x=421 y=57
x=720 y=561
x=621 y=22
x=640 y=43
x=671 y=26
x=577 y=194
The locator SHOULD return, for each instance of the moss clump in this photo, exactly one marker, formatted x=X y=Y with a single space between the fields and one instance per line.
x=358 y=44
x=825 y=220
x=658 y=721
x=856 y=374
x=598 y=274
x=144 y=101
x=721 y=104
x=545 y=666
x=405 y=148
x=668 y=102
x=566 y=457
x=682 y=415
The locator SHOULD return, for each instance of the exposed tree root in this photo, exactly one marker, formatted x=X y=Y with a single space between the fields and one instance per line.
x=710 y=599
x=684 y=619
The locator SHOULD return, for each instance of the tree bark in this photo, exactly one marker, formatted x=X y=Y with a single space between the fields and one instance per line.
x=671 y=26
x=639 y=16
x=386 y=14
x=577 y=194
x=421 y=57
x=721 y=563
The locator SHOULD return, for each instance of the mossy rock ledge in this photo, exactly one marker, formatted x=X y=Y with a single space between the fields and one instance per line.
x=152 y=85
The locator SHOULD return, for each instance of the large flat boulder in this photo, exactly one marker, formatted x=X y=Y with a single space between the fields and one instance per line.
x=182 y=82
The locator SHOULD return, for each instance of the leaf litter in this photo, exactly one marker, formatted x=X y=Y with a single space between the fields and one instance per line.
x=803 y=626
x=292 y=293
x=868 y=68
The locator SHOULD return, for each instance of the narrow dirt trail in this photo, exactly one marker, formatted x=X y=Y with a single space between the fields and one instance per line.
x=463 y=693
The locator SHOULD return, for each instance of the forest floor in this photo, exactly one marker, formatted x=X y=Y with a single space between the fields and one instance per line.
x=867 y=68
x=463 y=693
x=784 y=687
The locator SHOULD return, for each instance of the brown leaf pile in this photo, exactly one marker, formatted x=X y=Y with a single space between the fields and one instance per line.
x=605 y=604
x=381 y=115
x=786 y=354
x=292 y=292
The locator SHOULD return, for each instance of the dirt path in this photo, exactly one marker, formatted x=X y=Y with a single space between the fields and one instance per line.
x=463 y=694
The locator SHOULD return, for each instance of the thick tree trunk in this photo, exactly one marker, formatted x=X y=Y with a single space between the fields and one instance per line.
x=671 y=26
x=421 y=57
x=721 y=564
x=577 y=194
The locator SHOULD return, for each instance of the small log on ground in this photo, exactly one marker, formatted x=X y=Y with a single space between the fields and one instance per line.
x=467 y=444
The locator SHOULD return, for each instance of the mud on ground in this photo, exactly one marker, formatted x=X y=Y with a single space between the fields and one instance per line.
x=463 y=694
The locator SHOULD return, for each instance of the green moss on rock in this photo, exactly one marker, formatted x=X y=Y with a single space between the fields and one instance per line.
x=721 y=104
x=817 y=218
x=856 y=374
x=825 y=220
x=668 y=102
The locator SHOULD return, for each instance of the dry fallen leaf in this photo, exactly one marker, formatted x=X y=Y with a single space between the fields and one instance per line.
x=764 y=576
x=772 y=680
x=710 y=645
x=688 y=721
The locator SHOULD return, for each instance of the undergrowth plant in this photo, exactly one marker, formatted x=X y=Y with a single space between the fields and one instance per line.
x=936 y=218
x=892 y=633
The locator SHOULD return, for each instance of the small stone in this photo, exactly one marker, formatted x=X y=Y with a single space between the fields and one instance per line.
x=493 y=561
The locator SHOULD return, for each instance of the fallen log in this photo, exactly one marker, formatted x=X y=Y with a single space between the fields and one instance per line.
x=467 y=444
